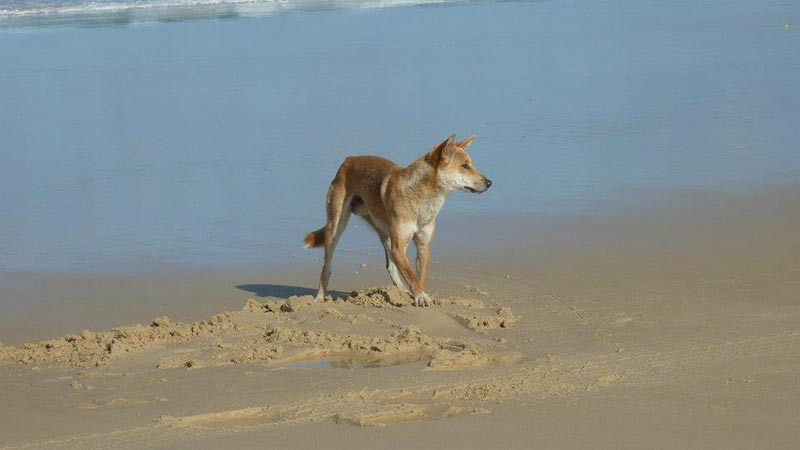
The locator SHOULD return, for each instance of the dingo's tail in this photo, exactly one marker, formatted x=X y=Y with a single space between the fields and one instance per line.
x=315 y=239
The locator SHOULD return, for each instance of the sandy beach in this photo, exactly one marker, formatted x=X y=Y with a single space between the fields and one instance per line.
x=630 y=281
x=659 y=330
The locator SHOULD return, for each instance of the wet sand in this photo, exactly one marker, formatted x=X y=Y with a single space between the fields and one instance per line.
x=673 y=325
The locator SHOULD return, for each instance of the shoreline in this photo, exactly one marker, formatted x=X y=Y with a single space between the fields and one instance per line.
x=686 y=234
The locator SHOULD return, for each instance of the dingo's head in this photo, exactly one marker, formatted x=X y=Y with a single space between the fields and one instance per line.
x=454 y=168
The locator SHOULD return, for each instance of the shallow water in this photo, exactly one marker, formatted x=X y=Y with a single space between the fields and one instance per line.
x=213 y=142
x=312 y=365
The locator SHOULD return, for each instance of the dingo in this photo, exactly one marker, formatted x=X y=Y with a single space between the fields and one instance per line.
x=400 y=204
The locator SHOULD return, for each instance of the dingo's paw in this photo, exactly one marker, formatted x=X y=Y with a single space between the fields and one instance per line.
x=422 y=299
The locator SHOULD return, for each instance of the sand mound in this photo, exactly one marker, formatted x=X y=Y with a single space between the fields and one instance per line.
x=470 y=359
x=481 y=322
x=7 y=354
x=92 y=348
x=364 y=328
x=379 y=297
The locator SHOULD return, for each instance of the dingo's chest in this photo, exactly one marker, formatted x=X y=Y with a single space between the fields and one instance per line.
x=427 y=210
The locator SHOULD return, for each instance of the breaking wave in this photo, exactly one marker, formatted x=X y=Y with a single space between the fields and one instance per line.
x=82 y=12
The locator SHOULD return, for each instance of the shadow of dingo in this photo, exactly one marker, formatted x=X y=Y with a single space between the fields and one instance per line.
x=284 y=291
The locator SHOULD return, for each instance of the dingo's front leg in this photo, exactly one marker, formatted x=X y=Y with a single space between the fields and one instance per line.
x=391 y=267
x=399 y=246
x=423 y=239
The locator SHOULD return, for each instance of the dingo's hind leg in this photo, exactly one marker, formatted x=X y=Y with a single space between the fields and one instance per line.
x=360 y=209
x=338 y=208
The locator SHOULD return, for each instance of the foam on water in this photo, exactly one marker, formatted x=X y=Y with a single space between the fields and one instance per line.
x=32 y=13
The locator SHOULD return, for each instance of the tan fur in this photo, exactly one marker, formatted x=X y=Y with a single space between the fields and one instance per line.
x=400 y=204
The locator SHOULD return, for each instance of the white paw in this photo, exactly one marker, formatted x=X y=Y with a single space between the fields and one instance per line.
x=422 y=299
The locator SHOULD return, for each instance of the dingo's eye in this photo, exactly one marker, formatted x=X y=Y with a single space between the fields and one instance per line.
x=466 y=166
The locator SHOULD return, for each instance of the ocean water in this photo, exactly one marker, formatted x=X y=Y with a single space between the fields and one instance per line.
x=137 y=134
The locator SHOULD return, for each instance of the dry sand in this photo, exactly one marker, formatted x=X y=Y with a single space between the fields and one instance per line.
x=676 y=329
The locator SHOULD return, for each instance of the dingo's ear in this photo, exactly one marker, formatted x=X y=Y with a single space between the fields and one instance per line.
x=466 y=142
x=442 y=153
